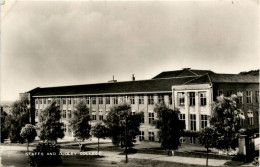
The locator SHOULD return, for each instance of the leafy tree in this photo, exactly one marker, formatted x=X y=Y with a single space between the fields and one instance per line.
x=19 y=117
x=99 y=131
x=5 y=126
x=207 y=138
x=225 y=120
x=170 y=127
x=29 y=133
x=50 y=127
x=119 y=120
x=80 y=123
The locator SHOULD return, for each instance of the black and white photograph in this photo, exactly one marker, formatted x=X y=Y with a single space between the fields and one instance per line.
x=92 y=83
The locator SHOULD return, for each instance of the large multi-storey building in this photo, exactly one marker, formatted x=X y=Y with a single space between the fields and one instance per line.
x=192 y=91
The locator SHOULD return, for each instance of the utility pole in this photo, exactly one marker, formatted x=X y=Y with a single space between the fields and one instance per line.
x=126 y=158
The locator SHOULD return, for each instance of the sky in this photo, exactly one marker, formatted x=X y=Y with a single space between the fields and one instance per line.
x=45 y=44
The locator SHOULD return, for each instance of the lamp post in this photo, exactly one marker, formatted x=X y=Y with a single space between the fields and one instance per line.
x=126 y=157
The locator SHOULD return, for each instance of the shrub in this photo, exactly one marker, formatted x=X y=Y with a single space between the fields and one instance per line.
x=45 y=154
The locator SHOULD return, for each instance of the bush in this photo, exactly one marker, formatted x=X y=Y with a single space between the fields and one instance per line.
x=45 y=154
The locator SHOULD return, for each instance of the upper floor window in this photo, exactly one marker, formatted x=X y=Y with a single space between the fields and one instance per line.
x=101 y=117
x=74 y=101
x=203 y=99
x=160 y=98
x=151 y=136
x=40 y=100
x=69 y=113
x=141 y=99
x=94 y=100
x=69 y=101
x=170 y=99
x=181 y=98
x=36 y=113
x=250 y=118
x=257 y=96
x=64 y=114
x=100 y=100
x=36 y=101
x=44 y=101
x=248 y=96
x=150 y=99
x=151 y=117
x=87 y=100
x=220 y=92
x=132 y=99
x=192 y=98
x=107 y=100
x=240 y=97
x=63 y=101
x=229 y=93
x=115 y=100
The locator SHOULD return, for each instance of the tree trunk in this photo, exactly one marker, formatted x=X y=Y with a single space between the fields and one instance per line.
x=207 y=156
x=28 y=147
x=98 y=147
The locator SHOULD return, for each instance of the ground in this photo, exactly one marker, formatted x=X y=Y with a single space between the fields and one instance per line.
x=14 y=155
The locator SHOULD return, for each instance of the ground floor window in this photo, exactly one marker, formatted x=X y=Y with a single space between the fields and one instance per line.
x=192 y=140
x=101 y=117
x=182 y=139
x=94 y=117
x=141 y=136
x=151 y=136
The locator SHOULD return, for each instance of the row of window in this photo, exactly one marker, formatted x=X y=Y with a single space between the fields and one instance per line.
x=108 y=100
x=249 y=95
x=202 y=98
x=150 y=136
x=203 y=121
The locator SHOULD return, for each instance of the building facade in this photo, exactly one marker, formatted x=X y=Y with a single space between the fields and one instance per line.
x=191 y=91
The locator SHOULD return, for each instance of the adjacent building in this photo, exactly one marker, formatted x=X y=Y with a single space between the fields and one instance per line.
x=192 y=91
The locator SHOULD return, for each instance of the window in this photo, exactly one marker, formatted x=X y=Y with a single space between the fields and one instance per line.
x=248 y=96
x=192 y=140
x=64 y=127
x=36 y=113
x=170 y=99
x=151 y=136
x=133 y=112
x=229 y=93
x=74 y=101
x=141 y=99
x=132 y=99
x=240 y=97
x=160 y=98
x=182 y=119
x=64 y=114
x=115 y=100
x=150 y=99
x=100 y=100
x=63 y=101
x=250 y=118
x=94 y=100
x=257 y=96
x=193 y=122
x=94 y=117
x=204 y=121
x=44 y=101
x=69 y=101
x=241 y=121
x=36 y=101
x=203 y=99
x=88 y=100
x=101 y=117
x=181 y=98
x=192 y=98
x=151 y=117
x=141 y=136
x=107 y=100
x=58 y=101
x=69 y=113
x=40 y=100
x=220 y=92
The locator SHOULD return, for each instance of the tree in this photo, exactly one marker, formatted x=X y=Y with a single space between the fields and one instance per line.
x=5 y=126
x=80 y=122
x=50 y=127
x=29 y=133
x=207 y=138
x=123 y=126
x=19 y=117
x=225 y=120
x=99 y=131
x=170 y=127
x=118 y=120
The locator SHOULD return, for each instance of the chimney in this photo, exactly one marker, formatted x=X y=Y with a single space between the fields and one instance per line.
x=113 y=79
x=133 y=77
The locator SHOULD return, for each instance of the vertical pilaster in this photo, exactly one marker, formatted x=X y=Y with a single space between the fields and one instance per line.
x=187 y=112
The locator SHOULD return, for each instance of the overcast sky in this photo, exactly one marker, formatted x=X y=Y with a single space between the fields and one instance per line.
x=65 y=43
